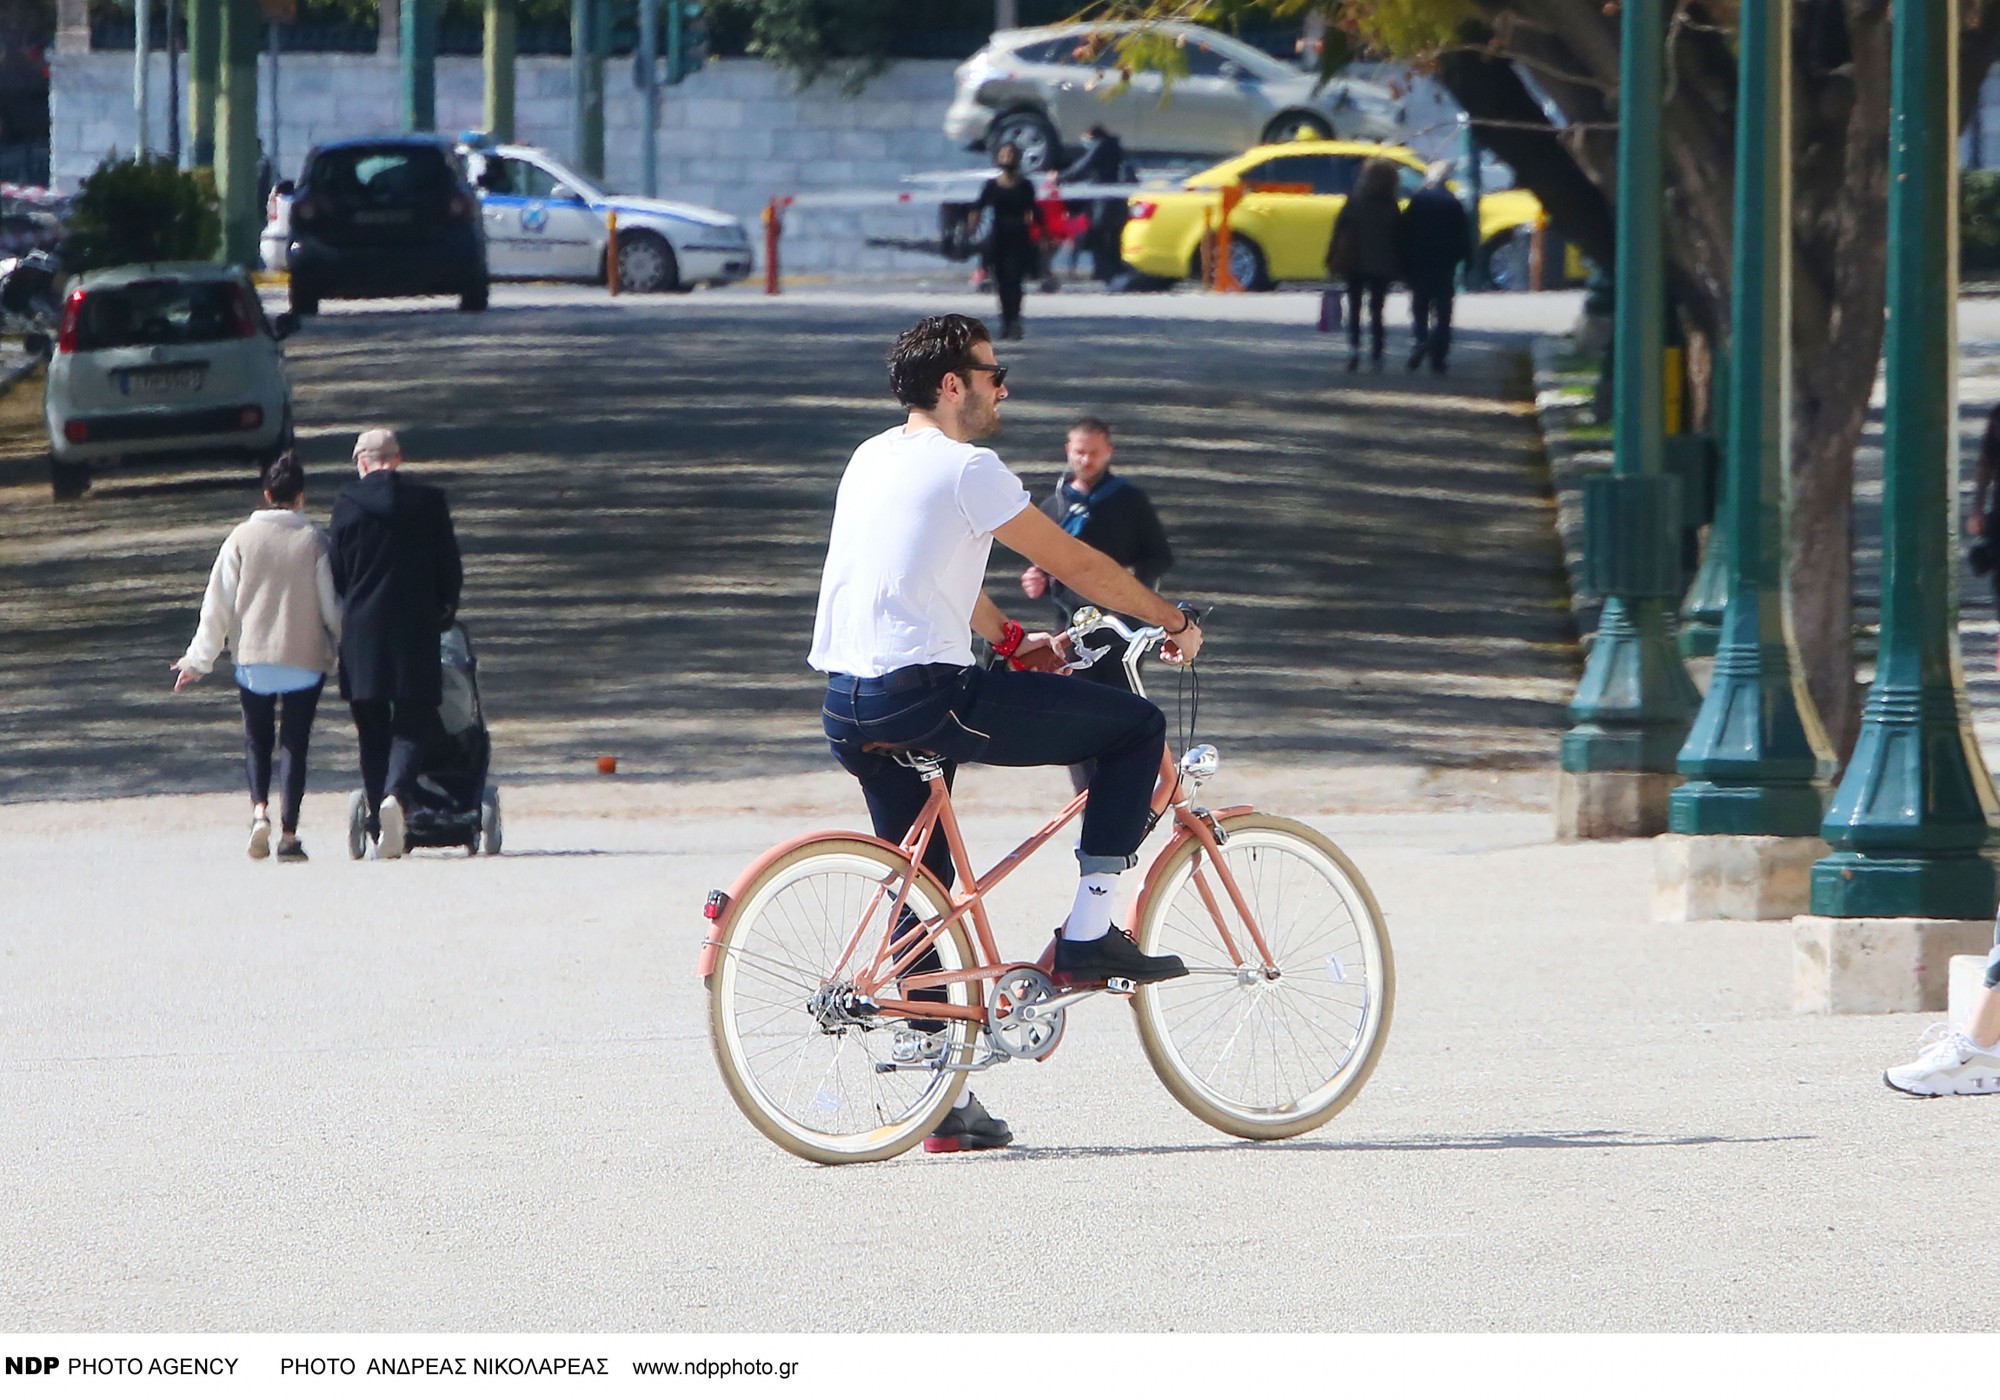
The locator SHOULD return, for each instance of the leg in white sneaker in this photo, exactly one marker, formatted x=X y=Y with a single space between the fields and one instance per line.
x=391 y=818
x=1956 y=1062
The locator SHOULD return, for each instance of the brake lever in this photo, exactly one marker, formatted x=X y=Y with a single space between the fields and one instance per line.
x=1086 y=657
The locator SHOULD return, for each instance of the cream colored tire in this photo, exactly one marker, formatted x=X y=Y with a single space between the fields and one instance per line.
x=816 y=1093
x=1253 y=1056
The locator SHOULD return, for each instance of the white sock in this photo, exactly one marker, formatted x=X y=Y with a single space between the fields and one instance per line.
x=1090 y=917
x=964 y=1098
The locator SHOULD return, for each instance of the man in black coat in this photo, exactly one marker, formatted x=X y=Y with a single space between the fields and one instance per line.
x=1433 y=235
x=1102 y=162
x=397 y=570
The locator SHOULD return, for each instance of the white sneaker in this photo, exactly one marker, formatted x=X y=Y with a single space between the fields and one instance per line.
x=1948 y=1063
x=260 y=837
x=391 y=818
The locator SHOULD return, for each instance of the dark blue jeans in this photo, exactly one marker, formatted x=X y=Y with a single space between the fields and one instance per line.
x=1009 y=719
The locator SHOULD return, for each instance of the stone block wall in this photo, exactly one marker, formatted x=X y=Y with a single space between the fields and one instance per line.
x=733 y=136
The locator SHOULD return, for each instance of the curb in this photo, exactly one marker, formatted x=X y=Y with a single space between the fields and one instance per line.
x=1560 y=410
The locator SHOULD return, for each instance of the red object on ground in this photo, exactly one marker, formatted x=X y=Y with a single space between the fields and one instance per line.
x=606 y=763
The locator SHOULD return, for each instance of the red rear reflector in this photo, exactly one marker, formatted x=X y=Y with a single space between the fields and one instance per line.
x=1143 y=209
x=252 y=417
x=718 y=902
x=77 y=431
x=72 y=311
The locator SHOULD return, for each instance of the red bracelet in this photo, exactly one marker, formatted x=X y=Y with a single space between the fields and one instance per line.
x=1011 y=637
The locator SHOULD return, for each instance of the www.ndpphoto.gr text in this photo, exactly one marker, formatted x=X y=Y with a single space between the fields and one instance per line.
x=783 y=1370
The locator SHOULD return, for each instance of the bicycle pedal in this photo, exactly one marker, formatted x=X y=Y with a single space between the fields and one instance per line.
x=1120 y=986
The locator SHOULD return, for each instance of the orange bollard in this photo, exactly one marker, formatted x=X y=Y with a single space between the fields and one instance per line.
x=774 y=225
x=1225 y=281
x=611 y=251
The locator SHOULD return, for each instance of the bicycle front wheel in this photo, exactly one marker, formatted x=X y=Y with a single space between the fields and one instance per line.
x=1254 y=1051
x=819 y=1077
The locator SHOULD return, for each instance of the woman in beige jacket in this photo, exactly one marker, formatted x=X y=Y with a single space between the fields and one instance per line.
x=270 y=600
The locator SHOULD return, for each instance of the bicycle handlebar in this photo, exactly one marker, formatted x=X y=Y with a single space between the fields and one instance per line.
x=1087 y=620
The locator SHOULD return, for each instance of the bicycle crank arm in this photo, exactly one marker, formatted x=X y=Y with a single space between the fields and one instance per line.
x=1117 y=986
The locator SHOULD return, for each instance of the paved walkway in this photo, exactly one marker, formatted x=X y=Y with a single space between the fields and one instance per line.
x=460 y=1095
x=642 y=491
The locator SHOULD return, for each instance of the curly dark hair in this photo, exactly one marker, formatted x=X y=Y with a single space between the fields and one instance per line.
x=284 y=478
x=925 y=353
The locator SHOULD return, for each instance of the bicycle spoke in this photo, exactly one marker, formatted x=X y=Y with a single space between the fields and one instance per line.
x=1266 y=1051
x=807 y=1062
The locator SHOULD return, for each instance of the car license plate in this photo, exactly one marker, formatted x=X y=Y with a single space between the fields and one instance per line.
x=382 y=216
x=180 y=379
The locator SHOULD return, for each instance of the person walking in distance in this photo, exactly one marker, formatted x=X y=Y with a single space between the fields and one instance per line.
x=1432 y=236
x=1009 y=199
x=1363 y=253
x=918 y=509
x=271 y=601
x=1108 y=513
x=1102 y=162
x=397 y=568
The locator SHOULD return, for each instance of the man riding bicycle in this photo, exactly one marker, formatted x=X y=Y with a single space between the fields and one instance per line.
x=918 y=510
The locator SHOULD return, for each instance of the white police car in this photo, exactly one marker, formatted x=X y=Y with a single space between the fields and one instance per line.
x=545 y=222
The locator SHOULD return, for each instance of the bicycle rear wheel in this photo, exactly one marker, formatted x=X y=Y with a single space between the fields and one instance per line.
x=1255 y=1055
x=810 y=1079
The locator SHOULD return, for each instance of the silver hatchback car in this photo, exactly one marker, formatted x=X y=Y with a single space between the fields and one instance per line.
x=1040 y=89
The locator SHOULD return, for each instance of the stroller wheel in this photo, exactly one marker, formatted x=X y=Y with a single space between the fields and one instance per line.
x=357 y=824
x=489 y=821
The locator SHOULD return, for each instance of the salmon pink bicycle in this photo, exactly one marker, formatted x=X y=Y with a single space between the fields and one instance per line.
x=811 y=964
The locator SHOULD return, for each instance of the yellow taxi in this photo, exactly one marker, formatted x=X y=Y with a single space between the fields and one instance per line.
x=1279 y=232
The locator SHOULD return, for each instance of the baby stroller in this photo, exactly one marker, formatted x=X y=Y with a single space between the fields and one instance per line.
x=451 y=803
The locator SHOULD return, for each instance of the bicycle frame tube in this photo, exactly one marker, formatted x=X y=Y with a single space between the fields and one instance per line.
x=890 y=965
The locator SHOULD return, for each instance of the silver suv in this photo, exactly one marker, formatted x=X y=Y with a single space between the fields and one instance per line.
x=1040 y=89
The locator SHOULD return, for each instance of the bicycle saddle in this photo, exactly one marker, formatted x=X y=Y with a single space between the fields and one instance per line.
x=896 y=750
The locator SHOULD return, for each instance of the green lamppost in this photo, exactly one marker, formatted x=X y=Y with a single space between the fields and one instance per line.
x=1631 y=710
x=497 y=56
x=419 y=64
x=1750 y=759
x=204 y=42
x=586 y=23
x=236 y=129
x=1910 y=821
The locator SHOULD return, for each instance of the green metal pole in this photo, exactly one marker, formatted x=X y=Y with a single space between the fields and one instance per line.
x=1707 y=598
x=236 y=129
x=497 y=54
x=419 y=64
x=1910 y=822
x=649 y=89
x=1632 y=709
x=587 y=69
x=1751 y=757
x=204 y=43
x=1475 y=272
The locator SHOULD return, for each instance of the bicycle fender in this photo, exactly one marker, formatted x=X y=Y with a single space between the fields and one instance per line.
x=1159 y=864
x=712 y=943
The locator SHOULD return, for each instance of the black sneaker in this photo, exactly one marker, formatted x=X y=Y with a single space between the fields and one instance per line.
x=969 y=1129
x=289 y=850
x=1114 y=955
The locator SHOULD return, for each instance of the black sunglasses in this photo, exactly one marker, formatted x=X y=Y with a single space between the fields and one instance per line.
x=999 y=372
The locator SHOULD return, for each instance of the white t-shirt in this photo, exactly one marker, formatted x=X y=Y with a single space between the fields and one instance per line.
x=912 y=527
